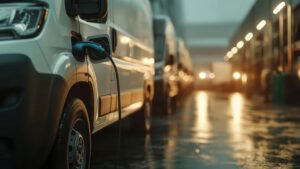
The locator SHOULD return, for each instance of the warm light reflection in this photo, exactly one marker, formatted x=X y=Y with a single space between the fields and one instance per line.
x=202 y=122
x=148 y=61
x=236 y=103
x=244 y=78
x=238 y=136
x=125 y=40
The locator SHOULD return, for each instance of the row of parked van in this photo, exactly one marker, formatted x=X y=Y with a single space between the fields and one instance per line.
x=52 y=99
x=173 y=66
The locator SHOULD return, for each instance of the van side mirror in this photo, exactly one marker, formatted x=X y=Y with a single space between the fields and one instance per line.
x=89 y=10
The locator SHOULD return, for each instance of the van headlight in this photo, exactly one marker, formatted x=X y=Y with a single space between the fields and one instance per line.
x=21 y=20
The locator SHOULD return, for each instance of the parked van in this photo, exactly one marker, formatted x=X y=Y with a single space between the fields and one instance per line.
x=185 y=68
x=50 y=101
x=166 y=87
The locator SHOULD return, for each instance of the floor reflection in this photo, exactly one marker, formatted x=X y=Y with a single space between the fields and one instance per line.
x=202 y=123
x=210 y=130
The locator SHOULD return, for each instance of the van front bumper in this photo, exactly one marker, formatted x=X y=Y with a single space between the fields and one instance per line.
x=31 y=104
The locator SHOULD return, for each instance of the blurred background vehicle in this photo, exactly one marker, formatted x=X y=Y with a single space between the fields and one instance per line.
x=166 y=79
x=185 y=68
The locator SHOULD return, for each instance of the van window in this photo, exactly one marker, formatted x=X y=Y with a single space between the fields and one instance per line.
x=134 y=18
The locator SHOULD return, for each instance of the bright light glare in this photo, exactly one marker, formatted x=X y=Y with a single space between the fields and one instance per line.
x=148 y=61
x=211 y=75
x=167 y=68
x=236 y=75
x=234 y=50
x=125 y=40
x=202 y=75
x=240 y=44
x=261 y=25
x=229 y=54
x=202 y=118
x=244 y=78
x=278 y=8
x=249 y=36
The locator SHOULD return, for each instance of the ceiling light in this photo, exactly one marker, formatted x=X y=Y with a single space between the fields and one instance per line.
x=261 y=25
x=234 y=50
x=278 y=8
x=240 y=44
x=229 y=54
x=249 y=36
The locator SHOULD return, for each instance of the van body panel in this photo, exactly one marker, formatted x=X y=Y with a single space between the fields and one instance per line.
x=132 y=20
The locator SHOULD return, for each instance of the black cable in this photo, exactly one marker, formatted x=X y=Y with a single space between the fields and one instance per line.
x=119 y=109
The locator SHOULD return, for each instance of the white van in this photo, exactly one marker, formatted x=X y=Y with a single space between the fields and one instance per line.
x=166 y=79
x=185 y=68
x=50 y=101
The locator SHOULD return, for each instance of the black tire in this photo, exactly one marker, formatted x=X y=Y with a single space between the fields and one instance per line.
x=141 y=122
x=73 y=144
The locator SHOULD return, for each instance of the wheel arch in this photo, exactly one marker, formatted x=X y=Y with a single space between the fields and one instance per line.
x=84 y=91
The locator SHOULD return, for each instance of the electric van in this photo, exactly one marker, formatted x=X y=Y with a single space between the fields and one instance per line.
x=185 y=68
x=52 y=101
x=166 y=79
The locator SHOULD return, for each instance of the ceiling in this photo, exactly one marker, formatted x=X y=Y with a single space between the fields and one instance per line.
x=208 y=25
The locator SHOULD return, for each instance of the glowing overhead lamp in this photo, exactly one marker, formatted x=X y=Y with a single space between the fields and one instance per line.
x=234 y=50
x=236 y=75
x=202 y=75
x=211 y=75
x=229 y=54
x=278 y=8
x=261 y=25
x=240 y=44
x=249 y=36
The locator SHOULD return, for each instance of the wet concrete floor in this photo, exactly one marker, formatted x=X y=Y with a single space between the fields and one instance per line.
x=210 y=130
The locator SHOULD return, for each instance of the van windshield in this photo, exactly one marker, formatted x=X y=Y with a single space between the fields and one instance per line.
x=159 y=48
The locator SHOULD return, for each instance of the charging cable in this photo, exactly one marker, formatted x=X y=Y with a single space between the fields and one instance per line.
x=79 y=51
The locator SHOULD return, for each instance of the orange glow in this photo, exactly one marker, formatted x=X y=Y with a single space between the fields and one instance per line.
x=202 y=75
x=236 y=75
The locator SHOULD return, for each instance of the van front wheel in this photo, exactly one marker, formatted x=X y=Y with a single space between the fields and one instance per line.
x=72 y=149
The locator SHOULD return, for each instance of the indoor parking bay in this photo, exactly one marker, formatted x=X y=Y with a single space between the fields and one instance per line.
x=210 y=130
